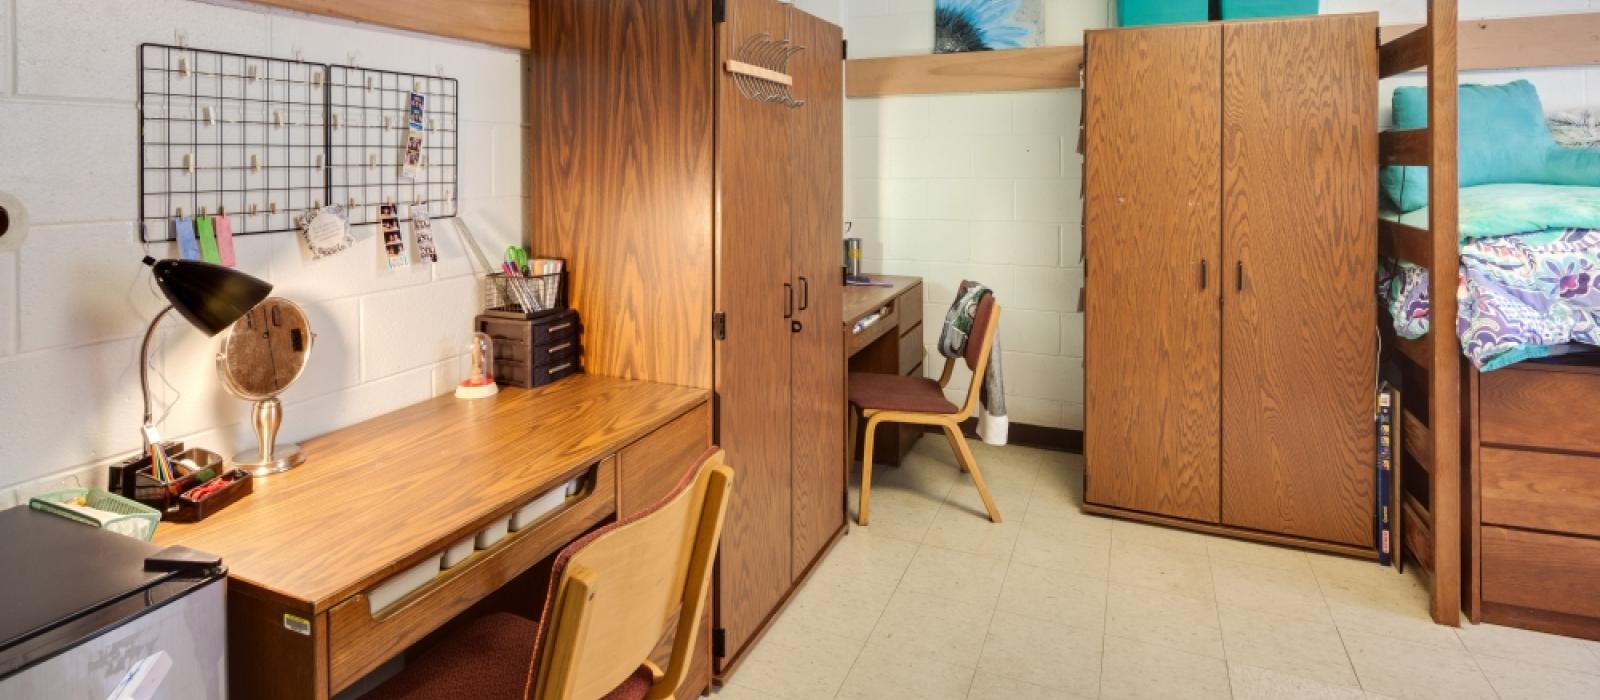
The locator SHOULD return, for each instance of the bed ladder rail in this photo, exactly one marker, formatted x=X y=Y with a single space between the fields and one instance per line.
x=1405 y=54
x=1406 y=242
x=1432 y=533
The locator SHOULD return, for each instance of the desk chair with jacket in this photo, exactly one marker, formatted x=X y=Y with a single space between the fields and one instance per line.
x=611 y=596
x=888 y=398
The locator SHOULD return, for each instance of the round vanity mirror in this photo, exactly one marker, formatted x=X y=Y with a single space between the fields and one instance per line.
x=262 y=354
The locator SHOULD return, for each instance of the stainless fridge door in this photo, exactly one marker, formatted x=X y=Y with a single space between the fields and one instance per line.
x=191 y=631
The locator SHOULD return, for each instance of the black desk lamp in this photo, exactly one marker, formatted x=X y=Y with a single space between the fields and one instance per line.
x=211 y=296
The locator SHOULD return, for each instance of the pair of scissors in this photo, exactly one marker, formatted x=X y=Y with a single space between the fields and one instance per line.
x=517 y=260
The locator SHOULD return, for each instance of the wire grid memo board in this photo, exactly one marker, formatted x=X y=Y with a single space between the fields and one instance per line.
x=265 y=141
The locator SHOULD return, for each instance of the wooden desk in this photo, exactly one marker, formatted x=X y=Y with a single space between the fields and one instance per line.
x=891 y=345
x=380 y=497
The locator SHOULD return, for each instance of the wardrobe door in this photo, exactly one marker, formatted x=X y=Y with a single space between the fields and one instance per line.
x=753 y=362
x=1299 y=355
x=1152 y=187
x=817 y=196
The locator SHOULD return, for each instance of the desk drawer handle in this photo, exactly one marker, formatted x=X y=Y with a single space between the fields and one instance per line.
x=558 y=368
x=558 y=348
x=560 y=327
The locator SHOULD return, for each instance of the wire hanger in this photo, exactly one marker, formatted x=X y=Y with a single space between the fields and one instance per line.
x=760 y=65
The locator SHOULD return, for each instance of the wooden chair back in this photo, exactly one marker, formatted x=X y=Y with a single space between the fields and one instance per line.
x=985 y=323
x=616 y=590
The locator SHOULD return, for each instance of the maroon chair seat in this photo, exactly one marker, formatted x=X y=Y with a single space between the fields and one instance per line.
x=888 y=392
x=487 y=659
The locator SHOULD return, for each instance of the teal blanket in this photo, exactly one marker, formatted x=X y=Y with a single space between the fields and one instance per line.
x=1502 y=210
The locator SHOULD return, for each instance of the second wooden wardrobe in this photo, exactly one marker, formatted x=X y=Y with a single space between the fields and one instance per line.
x=1230 y=241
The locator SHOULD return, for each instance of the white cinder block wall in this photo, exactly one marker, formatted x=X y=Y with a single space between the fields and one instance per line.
x=983 y=187
x=986 y=186
x=75 y=299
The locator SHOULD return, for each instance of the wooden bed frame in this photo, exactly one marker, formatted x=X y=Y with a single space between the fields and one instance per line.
x=1507 y=517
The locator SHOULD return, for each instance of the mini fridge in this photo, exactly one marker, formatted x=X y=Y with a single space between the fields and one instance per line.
x=82 y=619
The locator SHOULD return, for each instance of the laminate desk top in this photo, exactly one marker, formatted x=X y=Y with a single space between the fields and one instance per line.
x=860 y=301
x=371 y=497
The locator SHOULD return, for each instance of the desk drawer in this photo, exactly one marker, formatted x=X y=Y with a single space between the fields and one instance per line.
x=1541 y=491
x=911 y=310
x=911 y=351
x=887 y=321
x=649 y=468
x=1541 y=571
x=1540 y=407
x=359 y=640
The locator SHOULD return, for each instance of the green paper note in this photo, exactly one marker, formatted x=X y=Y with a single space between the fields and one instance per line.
x=208 y=240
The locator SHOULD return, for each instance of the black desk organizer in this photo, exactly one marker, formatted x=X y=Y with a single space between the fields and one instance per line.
x=132 y=478
x=535 y=351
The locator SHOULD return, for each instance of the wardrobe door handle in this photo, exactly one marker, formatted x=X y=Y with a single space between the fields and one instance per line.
x=805 y=294
x=1205 y=275
x=788 y=300
x=1239 y=281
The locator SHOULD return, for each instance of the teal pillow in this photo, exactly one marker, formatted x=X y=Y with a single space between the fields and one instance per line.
x=1503 y=138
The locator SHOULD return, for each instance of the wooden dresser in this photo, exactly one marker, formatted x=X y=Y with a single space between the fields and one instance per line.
x=375 y=500
x=1230 y=237
x=1533 y=502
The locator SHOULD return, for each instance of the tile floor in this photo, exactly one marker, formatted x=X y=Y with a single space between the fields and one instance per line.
x=933 y=601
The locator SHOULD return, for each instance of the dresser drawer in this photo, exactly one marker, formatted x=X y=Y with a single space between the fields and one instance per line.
x=1541 y=571
x=360 y=639
x=1540 y=407
x=1542 y=491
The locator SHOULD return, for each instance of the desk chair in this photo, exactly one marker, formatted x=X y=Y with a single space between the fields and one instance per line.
x=888 y=398
x=611 y=596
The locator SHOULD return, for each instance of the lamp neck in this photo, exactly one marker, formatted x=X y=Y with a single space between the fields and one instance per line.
x=144 y=363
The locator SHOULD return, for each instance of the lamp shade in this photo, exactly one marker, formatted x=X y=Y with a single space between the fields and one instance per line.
x=211 y=296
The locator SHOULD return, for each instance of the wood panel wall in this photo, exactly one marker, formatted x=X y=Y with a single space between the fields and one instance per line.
x=497 y=22
x=620 y=166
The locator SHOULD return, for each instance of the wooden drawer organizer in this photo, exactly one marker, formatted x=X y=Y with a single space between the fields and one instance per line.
x=535 y=352
x=360 y=639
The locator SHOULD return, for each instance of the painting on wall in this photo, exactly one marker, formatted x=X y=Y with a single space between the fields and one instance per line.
x=986 y=25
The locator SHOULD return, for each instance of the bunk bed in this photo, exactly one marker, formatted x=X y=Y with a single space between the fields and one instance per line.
x=1500 y=476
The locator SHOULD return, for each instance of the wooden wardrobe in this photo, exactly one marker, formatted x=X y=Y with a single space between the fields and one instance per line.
x=1230 y=244
x=702 y=229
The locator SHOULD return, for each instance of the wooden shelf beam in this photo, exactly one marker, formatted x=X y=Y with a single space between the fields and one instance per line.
x=979 y=71
x=497 y=22
x=1547 y=41
x=1488 y=44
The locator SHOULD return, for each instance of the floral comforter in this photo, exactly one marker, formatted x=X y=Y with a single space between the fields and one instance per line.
x=1520 y=296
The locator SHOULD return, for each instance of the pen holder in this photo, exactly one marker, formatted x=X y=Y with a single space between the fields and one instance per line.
x=524 y=297
x=174 y=499
x=123 y=476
